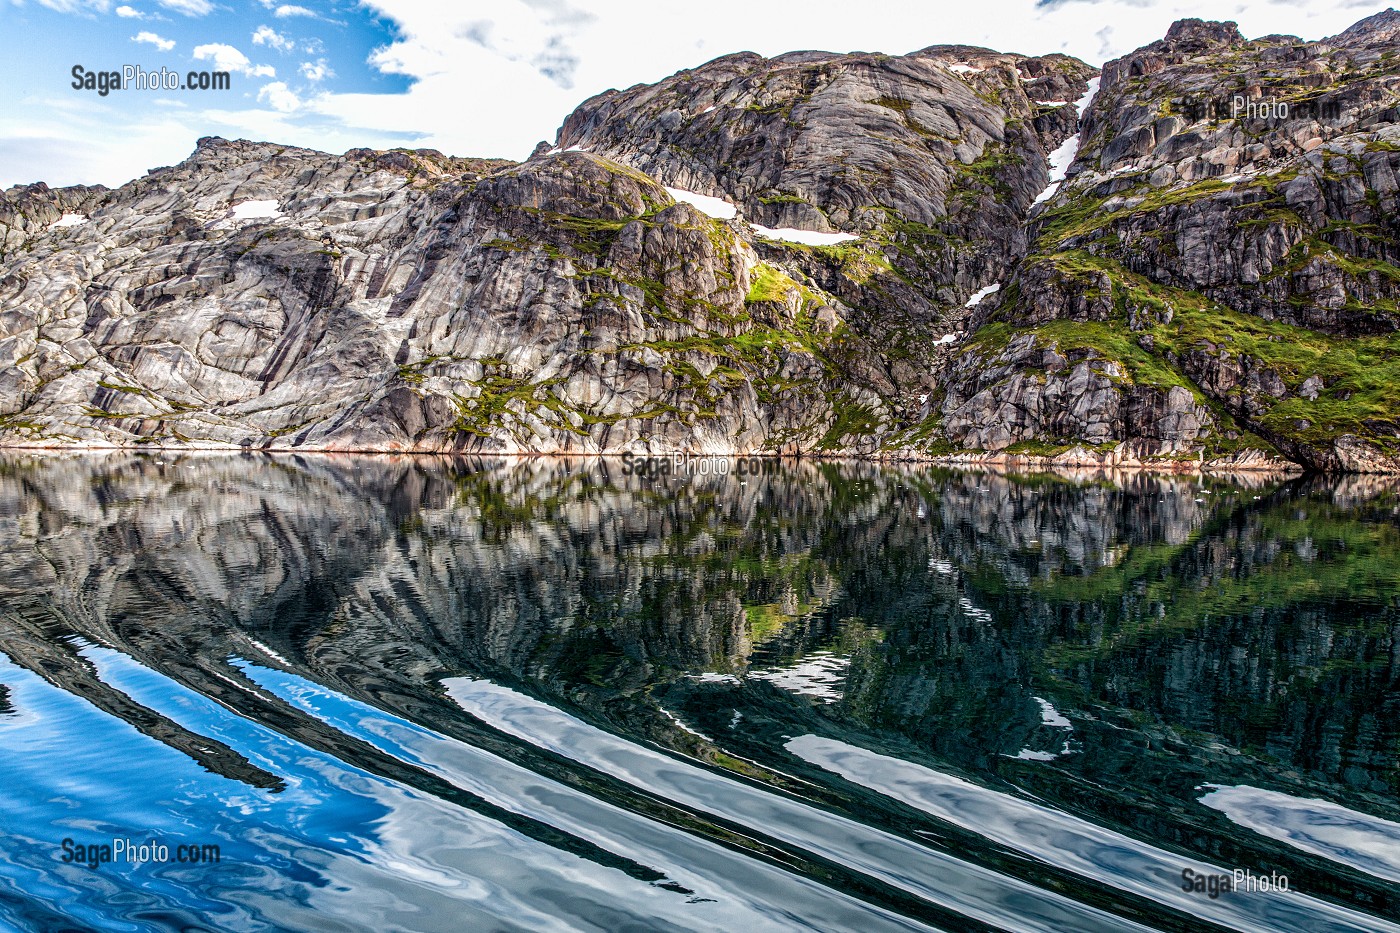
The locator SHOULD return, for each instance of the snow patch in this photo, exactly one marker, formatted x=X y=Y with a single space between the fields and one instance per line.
x=718 y=208
x=1063 y=156
x=68 y=220
x=981 y=293
x=946 y=338
x=708 y=109
x=255 y=210
x=806 y=237
x=963 y=68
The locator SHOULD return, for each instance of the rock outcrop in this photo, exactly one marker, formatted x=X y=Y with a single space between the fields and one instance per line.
x=1226 y=243
x=790 y=255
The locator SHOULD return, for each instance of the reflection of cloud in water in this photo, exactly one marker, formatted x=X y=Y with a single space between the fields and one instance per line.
x=1074 y=844
x=1365 y=842
x=911 y=867
x=1050 y=716
x=821 y=674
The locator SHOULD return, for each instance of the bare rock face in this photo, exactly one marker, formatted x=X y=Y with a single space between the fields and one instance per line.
x=932 y=158
x=262 y=296
x=1228 y=229
x=816 y=253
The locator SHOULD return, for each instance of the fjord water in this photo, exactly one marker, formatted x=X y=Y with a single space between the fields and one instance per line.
x=443 y=694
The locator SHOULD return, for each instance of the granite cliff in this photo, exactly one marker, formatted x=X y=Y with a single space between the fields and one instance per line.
x=935 y=254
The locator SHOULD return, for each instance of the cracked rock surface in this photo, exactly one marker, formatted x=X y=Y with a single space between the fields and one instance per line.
x=787 y=255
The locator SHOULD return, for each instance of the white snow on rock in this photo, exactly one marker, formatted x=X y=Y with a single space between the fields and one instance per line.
x=806 y=237
x=1063 y=157
x=945 y=339
x=69 y=220
x=981 y=293
x=255 y=210
x=963 y=68
x=717 y=208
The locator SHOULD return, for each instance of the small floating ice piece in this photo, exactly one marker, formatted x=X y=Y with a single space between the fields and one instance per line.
x=717 y=208
x=806 y=237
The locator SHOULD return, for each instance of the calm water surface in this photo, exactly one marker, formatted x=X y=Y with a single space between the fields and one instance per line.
x=428 y=694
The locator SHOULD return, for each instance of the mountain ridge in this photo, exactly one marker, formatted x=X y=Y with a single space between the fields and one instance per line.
x=819 y=254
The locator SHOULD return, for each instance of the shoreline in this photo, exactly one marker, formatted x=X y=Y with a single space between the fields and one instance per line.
x=1075 y=459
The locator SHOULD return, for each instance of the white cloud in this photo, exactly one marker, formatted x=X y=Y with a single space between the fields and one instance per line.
x=288 y=9
x=316 y=71
x=188 y=7
x=126 y=12
x=74 y=6
x=228 y=58
x=266 y=35
x=279 y=97
x=165 y=45
x=456 y=57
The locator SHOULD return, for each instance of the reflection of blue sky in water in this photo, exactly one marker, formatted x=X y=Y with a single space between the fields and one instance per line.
x=730 y=891
x=112 y=781
x=1137 y=642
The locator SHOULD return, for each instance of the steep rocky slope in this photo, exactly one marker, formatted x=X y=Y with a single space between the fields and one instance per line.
x=784 y=255
x=1220 y=269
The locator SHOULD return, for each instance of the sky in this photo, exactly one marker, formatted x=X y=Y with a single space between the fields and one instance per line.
x=473 y=78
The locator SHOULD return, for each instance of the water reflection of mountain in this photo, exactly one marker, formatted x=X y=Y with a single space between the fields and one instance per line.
x=1106 y=643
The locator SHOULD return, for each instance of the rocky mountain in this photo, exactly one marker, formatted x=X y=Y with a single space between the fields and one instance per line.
x=899 y=256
